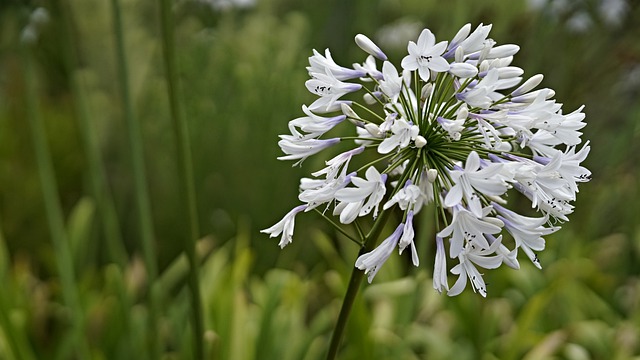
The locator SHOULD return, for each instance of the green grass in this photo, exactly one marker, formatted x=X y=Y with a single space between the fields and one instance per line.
x=240 y=78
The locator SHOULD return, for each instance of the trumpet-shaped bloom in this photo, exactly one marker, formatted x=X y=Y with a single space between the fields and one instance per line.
x=285 y=226
x=465 y=227
x=329 y=88
x=319 y=64
x=360 y=200
x=372 y=261
x=300 y=149
x=467 y=270
x=475 y=179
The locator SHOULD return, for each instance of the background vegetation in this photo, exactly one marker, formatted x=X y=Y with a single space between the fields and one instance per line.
x=242 y=73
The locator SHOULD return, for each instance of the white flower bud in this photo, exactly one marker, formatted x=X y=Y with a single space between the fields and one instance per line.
x=370 y=47
x=369 y=99
x=509 y=72
x=373 y=129
x=528 y=85
x=459 y=57
x=462 y=34
x=526 y=98
x=505 y=61
x=426 y=91
x=502 y=51
x=494 y=221
x=420 y=141
x=348 y=111
x=463 y=112
x=432 y=175
x=484 y=66
x=463 y=70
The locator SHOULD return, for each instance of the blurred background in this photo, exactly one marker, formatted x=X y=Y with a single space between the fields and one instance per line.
x=241 y=69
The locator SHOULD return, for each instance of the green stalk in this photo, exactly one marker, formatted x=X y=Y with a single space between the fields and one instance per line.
x=53 y=210
x=97 y=177
x=142 y=201
x=185 y=169
x=370 y=242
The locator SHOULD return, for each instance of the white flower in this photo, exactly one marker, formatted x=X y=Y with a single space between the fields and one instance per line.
x=466 y=269
x=285 y=226
x=316 y=192
x=426 y=55
x=544 y=186
x=337 y=162
x=405 y=197
x=392 y=83
x=440 y=267
x=403 y=133
x=466 y=227
x=509 y=257
x=479 y=94
x=475 y=41
x=313 y=124
x=372 y=261
x=567 y=131
x=320 y=65
x=352 y=200
x=407 y=239
x=526 y=231
x=329 y=88
x=369 y=68
x=452 y=127
x=301 y=148
x=473 y=177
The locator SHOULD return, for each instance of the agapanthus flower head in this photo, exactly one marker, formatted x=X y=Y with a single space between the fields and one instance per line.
x=456 y=127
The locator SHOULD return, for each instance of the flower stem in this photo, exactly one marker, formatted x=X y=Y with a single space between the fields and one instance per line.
x=185 y=167
x=370 y=242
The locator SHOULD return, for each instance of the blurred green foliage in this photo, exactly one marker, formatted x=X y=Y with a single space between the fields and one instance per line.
x=242 y=76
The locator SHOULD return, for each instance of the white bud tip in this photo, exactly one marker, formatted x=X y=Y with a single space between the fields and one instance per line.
x=373 y=129
x=368 y=99
x=432 y=174
x=528 y=85
x=426 y=91
x=369 y=47
x=420 y=141
x=348 y=111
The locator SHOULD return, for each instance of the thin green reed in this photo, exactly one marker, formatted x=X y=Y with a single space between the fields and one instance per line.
x=143 y=203
x=53 y=210
x=97 y=178
x=185 y=169
x=110 y=224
